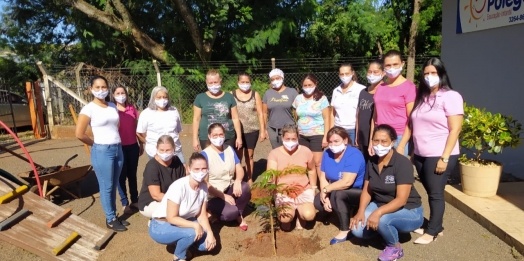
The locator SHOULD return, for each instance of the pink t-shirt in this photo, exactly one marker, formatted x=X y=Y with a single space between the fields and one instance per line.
x=127 y=127
x=390 y=104
x=430 y=124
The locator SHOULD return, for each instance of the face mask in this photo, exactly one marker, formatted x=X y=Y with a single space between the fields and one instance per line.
x=214 y=89
x=217 y=141
x=290 y=145
x=244 y=87
x=120 y=99
x=381 y=150
x=198 y=176
x=393 y=72
x=165 y=156
x=161 y=103
x=346 y=79
x=372 y=79
x=308 y=91
x=432 y=81
x=337 y=148
x=100 y=94
x=277 y=83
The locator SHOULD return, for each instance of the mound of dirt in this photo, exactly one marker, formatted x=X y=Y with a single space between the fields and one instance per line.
x=288 y=245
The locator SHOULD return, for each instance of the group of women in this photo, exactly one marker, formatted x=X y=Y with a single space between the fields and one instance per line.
x=356 y=154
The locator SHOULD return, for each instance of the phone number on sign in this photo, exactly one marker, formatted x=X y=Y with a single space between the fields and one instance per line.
x=516 y=18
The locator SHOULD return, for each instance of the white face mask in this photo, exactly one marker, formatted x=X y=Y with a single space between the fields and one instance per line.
x=308 y=91
x=214 y=89
x=277 y=83
x=432 y=80
x=337 y=148
x=346 y=79
x=120 y=99
x=372 y=79
x=393 y=72
x=198 y=176
x=381 y=150
x=161 y=103
x=217 y=141
x=290 y=145
x=244 y=87
x=165 y=156
x=100 y=94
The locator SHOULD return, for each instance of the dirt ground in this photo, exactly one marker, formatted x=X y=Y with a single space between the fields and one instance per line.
x=464 y=239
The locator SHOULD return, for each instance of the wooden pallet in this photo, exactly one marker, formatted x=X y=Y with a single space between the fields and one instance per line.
x=48 y=230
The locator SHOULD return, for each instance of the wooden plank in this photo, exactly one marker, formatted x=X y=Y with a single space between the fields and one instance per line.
x=39 y=108
x=13 y=219
x=103 y=241
x=13 y=194
x=67 y=242
x=53 y=222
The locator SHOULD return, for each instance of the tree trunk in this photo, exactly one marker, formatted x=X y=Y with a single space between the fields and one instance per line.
x=410 y=75
x=273 y=235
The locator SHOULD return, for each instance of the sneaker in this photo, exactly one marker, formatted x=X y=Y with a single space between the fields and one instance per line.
x=116 y=225
x=124 y=222
x=391 y=253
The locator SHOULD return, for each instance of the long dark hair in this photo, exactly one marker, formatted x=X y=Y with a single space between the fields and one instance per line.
x=317 y=93
x=423 y=90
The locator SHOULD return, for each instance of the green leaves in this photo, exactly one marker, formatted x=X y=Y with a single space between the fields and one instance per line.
x=486 y=131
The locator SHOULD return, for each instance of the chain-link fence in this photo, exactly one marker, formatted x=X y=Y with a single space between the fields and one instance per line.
x=184 y=84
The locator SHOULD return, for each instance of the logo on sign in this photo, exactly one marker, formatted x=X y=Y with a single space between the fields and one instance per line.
x=474 y=15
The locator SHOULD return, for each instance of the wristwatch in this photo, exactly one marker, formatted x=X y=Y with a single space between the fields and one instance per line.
x=445 y=160
x=324 y=190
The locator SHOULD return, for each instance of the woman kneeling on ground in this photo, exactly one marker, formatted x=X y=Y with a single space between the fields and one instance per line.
x=160 y=172
x=228 y=194
x=181 y=217
x=301 y=197
x=389 y=203
x=341 y=179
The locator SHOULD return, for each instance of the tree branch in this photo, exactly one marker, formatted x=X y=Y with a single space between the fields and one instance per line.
x=194 y=31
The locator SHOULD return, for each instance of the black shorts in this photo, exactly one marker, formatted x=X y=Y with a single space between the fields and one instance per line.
x=249 y=140
x=314 y=143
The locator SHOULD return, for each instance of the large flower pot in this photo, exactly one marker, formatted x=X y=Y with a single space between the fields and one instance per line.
x=480 y=181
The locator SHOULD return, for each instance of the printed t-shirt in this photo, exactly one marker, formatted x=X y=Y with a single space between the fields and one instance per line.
x=430 y=123
x=104 y=122
x=279 y=107
x=390 y=104
x=215 y=111
x=310 y=121
x=351 y=162
x=189 y=200
x=366 y=105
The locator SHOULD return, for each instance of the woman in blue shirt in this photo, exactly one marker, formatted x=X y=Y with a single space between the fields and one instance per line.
x=341 y=179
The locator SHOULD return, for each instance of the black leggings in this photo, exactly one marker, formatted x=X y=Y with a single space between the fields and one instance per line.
x=341 y=202
x=434 y=185
x=129 y=168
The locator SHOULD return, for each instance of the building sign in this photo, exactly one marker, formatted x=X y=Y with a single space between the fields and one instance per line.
x=476 y=15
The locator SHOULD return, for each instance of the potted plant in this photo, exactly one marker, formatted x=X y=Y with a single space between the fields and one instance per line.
x=267 y=190
x=484 y=131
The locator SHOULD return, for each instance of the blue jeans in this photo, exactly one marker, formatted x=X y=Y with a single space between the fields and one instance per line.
x=389 y=225
x=351 y=133
x=165 y=233
x=179 y=155
x=107 y=161
x=406 y=148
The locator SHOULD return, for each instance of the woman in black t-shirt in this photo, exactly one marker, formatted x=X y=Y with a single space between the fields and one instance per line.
x=389 y=204
x=162 y=170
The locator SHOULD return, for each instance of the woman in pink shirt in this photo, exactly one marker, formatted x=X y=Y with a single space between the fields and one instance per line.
x=132 y=148
x=436 y=122
x=394 y=101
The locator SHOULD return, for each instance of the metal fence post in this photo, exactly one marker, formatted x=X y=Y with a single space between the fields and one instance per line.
x=273 y=66
x=48 y=99
x=158 y=78
x=78 y=79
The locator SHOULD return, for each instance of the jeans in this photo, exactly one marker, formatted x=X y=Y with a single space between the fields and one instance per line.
x=351 y=133
x=131 y=153
x=166 y=234
x=406 y=148
x=227 y=212
x=107 y=161
x=434 y=185
x=389 y=225
x=178 y=154
x=341 y=202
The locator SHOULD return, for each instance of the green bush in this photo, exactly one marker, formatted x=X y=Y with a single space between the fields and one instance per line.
x=484 y=131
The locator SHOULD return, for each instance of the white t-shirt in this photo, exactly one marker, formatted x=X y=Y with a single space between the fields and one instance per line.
x=158 y=123
x=189 y=201
x=346 y=105
x=104 y=122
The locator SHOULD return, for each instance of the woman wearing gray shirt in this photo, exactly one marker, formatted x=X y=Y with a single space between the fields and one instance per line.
x=277 y=107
